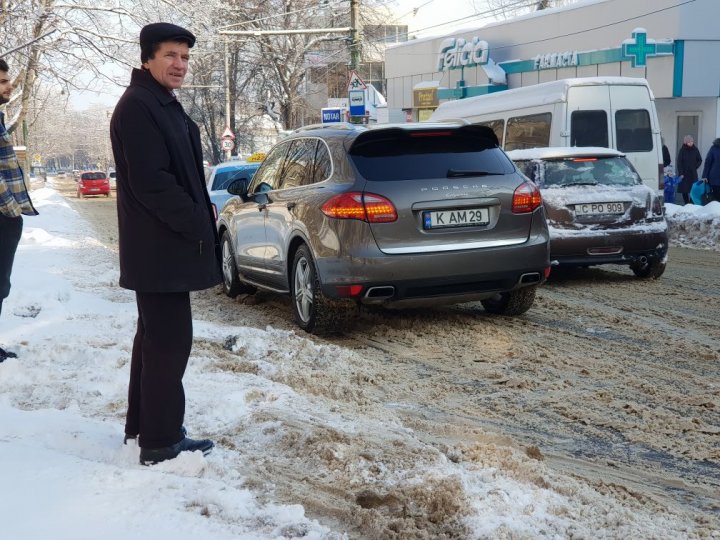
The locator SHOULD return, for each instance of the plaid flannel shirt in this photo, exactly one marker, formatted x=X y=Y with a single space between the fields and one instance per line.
x=14 y=198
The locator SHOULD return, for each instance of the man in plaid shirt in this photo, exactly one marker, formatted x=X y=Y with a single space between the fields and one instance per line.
x=14 y=199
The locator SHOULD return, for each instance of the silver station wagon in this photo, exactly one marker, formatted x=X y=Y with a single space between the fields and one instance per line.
x=399 y=215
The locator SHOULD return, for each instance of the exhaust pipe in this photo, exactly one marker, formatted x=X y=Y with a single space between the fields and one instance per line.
x=380 y=293
x=532 y=277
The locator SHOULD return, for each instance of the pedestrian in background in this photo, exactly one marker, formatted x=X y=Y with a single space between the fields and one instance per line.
x=687 y=163
x=14 y=198
x=711 y=171
x=667 y=160
x=167 y=238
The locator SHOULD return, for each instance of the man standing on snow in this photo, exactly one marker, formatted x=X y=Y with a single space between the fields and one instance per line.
x=14 y=198
x=167 y=238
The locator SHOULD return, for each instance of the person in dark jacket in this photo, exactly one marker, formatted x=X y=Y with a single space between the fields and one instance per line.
x=688 y=161
x=667 y=160
x=711 y=171
x=167 y=238
x=14 y=199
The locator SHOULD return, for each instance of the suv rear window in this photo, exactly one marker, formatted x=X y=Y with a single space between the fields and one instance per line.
x=421 y=155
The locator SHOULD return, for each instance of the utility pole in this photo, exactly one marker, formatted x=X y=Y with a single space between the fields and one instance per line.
x=228 y=152
x=355 y=30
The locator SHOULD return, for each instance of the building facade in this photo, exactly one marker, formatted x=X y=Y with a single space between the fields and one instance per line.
x=674 y=44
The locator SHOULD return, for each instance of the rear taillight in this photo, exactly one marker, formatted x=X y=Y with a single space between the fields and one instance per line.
x=661 y=176
x=348 y=290
x=526 y=198
x=215 y=214
x=363 y=206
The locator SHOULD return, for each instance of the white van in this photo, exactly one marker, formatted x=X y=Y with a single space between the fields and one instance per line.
x=610 y=112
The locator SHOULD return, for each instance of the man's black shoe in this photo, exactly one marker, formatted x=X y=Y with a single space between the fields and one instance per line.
x=129 y=437
x=151 y=456
x=6 y=354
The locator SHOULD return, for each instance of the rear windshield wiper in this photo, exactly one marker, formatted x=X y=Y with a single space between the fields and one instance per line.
x=456 y=173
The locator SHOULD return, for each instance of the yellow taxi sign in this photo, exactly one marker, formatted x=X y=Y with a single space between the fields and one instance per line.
x=257 y=156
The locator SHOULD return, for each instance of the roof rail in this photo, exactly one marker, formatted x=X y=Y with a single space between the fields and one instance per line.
x=334 y=125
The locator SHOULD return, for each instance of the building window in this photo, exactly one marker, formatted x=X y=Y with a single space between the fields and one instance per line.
x=531 y=131
x=385 y=33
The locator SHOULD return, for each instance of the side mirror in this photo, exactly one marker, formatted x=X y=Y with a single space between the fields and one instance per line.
x=239 y=187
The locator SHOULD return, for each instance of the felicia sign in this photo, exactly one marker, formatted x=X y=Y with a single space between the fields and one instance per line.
x=458 y=53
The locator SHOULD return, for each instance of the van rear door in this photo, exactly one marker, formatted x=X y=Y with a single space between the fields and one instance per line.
x=635 y=130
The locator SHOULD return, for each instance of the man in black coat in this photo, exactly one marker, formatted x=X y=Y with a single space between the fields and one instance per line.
x=167 y=238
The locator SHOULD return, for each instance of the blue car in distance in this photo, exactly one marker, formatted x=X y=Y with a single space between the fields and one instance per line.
x=222 y=175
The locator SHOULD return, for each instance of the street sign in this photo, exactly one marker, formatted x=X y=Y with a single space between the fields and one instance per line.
x=227 y=144
x=227 y=134
x=331 y=115
x=357 y=102
x=355 y=82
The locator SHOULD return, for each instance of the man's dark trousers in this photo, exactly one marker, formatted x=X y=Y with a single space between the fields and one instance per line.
x=156 y=399
x=10 y=233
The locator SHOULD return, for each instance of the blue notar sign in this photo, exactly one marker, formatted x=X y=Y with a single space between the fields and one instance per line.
x=331 y=116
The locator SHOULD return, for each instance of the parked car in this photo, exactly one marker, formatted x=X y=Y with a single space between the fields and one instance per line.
x=399 y=215
x=221 y=176
x=598 y=209
x=93 y=183
x=112 y=177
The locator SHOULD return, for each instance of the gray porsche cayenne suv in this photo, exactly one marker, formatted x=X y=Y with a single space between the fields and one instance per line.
x=399 y=215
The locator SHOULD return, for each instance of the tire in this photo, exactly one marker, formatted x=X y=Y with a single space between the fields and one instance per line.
x=232 y=286
x=314 y=312
x=652 y=269
x=514 y=302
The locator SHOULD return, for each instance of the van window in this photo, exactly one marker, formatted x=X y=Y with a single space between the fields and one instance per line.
x=531 y=131
x=633 y=131
x=589 y=128
x=498 y=126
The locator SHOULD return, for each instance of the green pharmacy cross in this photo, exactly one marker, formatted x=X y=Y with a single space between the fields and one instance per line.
x=640 y=49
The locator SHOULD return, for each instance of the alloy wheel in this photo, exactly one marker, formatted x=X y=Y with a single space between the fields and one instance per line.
x=303 y=287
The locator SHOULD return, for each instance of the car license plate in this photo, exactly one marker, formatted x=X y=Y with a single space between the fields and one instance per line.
x=466 y=217
x=591 y=209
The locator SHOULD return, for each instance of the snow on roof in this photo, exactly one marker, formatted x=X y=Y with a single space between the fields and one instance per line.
x=562 y=151
x=526 y=96
x=475 y=27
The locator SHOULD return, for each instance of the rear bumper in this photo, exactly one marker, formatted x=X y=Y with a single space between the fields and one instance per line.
x=608 y=246
x=443 y=277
